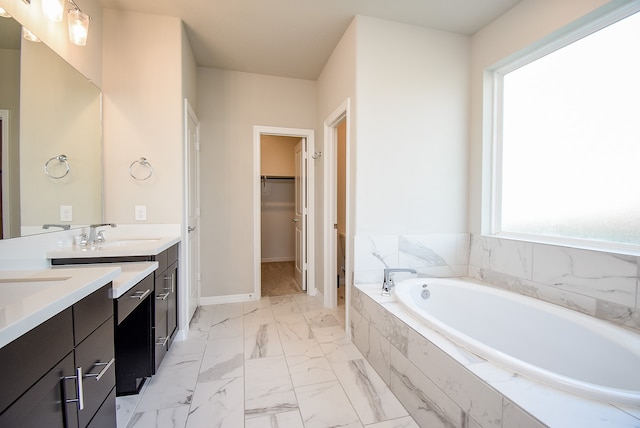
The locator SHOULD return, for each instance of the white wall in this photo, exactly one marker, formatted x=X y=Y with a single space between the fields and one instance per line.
x=336 y=84
x=143 y=115
x=412 y=95
x=411 y=173
x=230 y=104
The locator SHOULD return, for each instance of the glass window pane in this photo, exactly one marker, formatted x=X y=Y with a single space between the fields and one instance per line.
x=571 y=140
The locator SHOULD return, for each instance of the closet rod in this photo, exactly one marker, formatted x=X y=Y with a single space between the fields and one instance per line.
x=276 y=177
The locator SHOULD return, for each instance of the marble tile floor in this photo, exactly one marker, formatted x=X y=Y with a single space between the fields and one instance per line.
x=278 y=362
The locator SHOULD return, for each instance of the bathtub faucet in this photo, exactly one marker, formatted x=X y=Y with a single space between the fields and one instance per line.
x=388 y=283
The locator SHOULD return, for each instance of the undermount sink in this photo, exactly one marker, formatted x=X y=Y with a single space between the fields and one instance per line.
x=18 y=289
x=32 y=280
x=125 y=242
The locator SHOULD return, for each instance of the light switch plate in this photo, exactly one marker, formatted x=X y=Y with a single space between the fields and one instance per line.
x=141 y=212
x=66 y=213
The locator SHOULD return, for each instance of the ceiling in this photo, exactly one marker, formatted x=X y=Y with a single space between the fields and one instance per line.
x=294 y=38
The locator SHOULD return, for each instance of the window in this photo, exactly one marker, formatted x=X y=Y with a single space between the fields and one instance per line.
x=568 y=161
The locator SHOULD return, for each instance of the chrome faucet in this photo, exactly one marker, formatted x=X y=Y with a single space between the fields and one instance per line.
x=61 y=226
x=388 y=283
x=93 y=237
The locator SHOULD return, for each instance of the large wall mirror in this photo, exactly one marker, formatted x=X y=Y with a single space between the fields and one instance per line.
x=51 y=132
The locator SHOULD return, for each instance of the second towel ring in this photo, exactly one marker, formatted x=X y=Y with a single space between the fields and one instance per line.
x=61 y=159
x=144 y=163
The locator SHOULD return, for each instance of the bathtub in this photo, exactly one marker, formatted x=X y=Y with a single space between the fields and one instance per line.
x=539 y=340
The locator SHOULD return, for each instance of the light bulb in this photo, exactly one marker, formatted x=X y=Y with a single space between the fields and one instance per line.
x=53 y=9
x=29 y=35
x=78 y=27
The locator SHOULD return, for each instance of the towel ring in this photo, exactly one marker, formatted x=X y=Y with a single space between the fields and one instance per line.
x=144 y=163
x=61 y=159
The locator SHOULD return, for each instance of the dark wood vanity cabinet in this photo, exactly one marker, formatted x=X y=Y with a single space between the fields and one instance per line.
x=166 y=302
x=164 y=314
x=133 y=336
x=61 y=373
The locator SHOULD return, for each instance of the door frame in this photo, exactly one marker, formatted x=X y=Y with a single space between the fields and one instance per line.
x=6 y=174
x=330 y=205
x=309 y=134
x=185 y=255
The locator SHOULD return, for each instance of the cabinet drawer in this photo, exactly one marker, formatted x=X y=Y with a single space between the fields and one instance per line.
x=132 y=298
x=106 y=416
x=42 y=405
x=26 y=359
x=91 y=312
x=172 y=254
x=96 y=356
x=163 y=262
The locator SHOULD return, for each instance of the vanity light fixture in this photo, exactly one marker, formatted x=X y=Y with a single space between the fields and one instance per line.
x=28 y=35
x=53 y=9
x=78 y=25
x=4 y=13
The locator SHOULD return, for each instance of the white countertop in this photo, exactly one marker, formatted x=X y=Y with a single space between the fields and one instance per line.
x=115 y=248
x=131 y=274
x=30 y=297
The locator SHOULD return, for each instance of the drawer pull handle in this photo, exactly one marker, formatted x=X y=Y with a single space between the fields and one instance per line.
x=79 y=389
x=162 y=296
x=171 y=280
x=140 y=294
x=162 y=341
x=98 y=376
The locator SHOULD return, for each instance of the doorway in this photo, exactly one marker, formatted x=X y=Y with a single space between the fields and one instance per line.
x=337 y=228
x=283 y=214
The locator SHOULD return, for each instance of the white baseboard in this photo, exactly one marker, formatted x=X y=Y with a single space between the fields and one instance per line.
x=232 y=298
x=278 y=259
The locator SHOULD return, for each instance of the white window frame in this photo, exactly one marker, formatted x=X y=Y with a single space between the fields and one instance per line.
x=494 y=75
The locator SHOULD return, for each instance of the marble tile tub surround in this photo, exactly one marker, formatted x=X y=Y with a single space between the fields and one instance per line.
x=436 y=255
x=601 y=284
x=443 y=385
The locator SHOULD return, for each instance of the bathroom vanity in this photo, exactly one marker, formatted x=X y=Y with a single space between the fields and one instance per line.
x=57 y=348
x=94 y=324
x=152 y=302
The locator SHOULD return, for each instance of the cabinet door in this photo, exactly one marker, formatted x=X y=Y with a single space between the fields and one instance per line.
x=44 y=404
x=91 y=312
x=135 y=345
x=29 y=357
x=161 y=339
x=171 y=287
x=106 y=416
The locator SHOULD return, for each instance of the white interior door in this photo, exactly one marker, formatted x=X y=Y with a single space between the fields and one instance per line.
x=300 y=218
x=193 y=211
